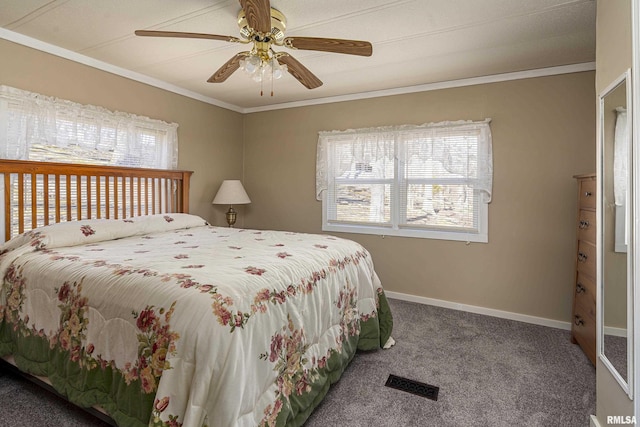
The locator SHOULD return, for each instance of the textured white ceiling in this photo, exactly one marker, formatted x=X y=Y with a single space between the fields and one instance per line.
x=415 y=42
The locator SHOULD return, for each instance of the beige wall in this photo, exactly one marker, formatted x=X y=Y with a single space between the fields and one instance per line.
x=613 y=57
x=543 y=134
x=210 y=138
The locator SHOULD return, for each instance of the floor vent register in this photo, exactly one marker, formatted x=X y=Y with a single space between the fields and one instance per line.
x=414 y=387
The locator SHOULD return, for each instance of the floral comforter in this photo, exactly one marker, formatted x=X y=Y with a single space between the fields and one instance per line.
x=166 y=321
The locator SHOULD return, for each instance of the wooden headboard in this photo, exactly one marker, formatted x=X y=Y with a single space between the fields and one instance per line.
x=41 y=193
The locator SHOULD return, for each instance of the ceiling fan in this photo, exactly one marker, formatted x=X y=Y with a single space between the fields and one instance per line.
x=264 y=26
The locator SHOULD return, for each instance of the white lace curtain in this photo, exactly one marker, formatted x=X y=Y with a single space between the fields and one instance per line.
x=620 y=157
x=445 y=143
x=38 y=127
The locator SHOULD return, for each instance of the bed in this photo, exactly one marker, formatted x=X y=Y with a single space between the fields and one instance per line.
x=124 y=301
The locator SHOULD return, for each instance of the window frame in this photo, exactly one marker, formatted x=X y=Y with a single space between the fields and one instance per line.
x=482 y=235
x=398 y=201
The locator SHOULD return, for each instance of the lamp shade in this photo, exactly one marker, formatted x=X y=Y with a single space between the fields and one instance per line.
x=231 y=192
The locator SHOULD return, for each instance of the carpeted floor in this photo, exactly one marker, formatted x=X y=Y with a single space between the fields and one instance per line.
x=615 y=348
x=490 y=371
x=24 y=404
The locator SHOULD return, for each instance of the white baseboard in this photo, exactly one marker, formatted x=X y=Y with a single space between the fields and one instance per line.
x=481 y=310
x=616 y=332
x=593 y=421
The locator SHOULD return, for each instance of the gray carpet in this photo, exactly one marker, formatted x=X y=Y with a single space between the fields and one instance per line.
x=24 y=404
x=490 y=371
x=616 y=350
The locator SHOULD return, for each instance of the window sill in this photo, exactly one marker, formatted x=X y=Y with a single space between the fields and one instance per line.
x=461 y=236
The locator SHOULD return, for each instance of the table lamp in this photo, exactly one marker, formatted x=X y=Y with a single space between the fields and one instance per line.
x=231 y=193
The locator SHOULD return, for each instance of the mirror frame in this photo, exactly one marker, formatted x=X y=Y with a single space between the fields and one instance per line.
x=627 y=385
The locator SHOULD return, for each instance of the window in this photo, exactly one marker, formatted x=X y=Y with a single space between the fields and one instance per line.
x=431 y=181
x=38 y=127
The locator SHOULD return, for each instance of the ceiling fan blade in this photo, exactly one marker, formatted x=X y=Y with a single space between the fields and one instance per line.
x=299 y=71
x=152 y=33
x=228 y=68
x=349 y=47
x=258 y=14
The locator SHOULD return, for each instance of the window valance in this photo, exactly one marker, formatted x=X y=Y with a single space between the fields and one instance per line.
x=447 y=143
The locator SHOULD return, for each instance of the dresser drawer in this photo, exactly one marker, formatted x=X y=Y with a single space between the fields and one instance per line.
x=587 y=226
x=586 y=258
x=584 y=329
x=585 y=294
x=587 y=193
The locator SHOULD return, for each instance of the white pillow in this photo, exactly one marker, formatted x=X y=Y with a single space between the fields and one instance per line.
x=72 y=233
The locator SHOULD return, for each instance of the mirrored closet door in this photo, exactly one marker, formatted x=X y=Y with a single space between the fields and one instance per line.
x=615 y=256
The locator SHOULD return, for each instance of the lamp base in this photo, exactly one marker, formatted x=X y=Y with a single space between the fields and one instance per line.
x=231 y=216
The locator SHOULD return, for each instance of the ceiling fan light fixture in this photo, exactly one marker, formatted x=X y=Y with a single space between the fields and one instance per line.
x=278 y=69
x=262 y=70
x=250 y=64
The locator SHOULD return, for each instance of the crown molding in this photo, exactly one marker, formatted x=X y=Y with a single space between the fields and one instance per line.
x=495 y=78
x=142 y=78
x=18 y=38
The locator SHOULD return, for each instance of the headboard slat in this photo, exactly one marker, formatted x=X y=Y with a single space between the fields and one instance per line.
x=153 y=196
x=78 y=180
x=88 y=187
x=67 y=182
x=132 y=203
x=139 y=181
x=20 y=202
x=115 y=197
x=34 y=194
x=7 y=206
x=45 y=195
x=57 y=202
x=124 y=197
x=98 y=199
x=167 y=187
x=107 y=198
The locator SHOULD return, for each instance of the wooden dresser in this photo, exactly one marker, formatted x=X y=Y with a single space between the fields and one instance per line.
x=583 y=329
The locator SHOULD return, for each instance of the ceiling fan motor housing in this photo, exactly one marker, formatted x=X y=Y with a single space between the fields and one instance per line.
x=278 y=26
